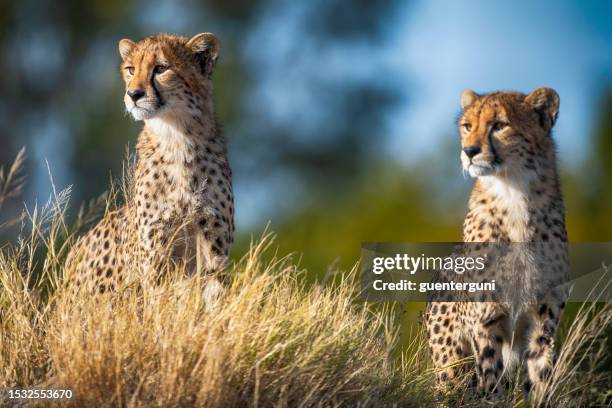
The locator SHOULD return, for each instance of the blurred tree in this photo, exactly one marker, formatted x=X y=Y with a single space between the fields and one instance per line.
x=388 y=204
x=601 y=193
x=590 y=216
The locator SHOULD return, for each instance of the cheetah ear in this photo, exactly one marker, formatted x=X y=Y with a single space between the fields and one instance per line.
x=468 y=97
x=206 y=48
x=125 y=48
x=545 y=101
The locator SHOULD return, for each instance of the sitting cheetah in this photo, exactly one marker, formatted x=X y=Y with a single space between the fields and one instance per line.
x=182 y=176
x=507 y=146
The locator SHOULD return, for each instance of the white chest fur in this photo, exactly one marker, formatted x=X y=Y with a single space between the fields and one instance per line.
x=512 y=197
x=177 y=146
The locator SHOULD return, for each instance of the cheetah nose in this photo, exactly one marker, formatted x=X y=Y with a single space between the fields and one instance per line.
x=136 y=94
x=471 y=151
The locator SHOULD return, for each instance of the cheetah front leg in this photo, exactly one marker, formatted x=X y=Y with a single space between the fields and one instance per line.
x=487 y=342
x=212 y=232
x=446 y=346
x=149 y=239
x=157 y=235
x=211 y=249
x=540 y=353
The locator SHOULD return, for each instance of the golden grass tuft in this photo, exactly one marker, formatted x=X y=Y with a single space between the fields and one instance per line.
x=267 y=340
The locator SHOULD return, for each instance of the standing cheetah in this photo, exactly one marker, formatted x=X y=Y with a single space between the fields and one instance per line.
x=516 y=203
x=183 y=188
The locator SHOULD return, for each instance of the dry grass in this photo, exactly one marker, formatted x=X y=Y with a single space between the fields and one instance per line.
x=268 y=340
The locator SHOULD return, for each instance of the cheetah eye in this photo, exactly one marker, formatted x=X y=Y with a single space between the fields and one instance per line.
x=160 y=69
x=467 y=127
x=497 y=126
x=130 y=70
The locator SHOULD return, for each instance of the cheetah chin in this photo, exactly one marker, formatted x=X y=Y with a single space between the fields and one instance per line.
x=140 y=113
x=478 y=170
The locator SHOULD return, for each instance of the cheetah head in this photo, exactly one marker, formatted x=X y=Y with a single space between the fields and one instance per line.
x=506 y=132
x=166 y=74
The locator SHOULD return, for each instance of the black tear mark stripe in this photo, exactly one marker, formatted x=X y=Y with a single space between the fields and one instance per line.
x=160 y=101
x=496 y=158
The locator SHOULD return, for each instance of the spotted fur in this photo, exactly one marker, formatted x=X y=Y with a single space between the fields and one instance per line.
x=183 y=182
x=507 y=146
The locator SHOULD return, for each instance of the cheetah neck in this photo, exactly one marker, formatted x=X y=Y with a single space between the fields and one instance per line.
x=179 y=147
x=178 y=138
x=513 y=198
x=517 y=199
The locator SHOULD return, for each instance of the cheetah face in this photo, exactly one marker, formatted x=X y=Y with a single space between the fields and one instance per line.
x=506 y=132
x=163 y=73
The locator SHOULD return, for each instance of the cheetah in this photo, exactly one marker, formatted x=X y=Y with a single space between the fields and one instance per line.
x=516 y=203
x=182 y=181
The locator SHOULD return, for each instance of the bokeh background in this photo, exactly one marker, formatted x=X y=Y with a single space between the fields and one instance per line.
x=340 y=114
